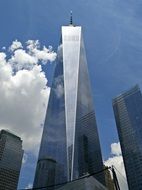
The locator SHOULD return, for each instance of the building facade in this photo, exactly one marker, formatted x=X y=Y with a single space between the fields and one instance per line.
x=11 y=155
x=70 y=144
x=109 y=180
x=128 y=114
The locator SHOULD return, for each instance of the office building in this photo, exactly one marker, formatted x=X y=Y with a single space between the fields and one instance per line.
x=70 y=145
x=128 y=115
x=11 y=154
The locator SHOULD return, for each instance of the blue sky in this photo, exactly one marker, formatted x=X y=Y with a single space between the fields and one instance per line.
x=113 y=38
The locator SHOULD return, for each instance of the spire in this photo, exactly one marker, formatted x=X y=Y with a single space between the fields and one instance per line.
x=71 y=22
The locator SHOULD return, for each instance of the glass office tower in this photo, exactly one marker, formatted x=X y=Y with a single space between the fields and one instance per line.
x=11 y=154
x=70 y=145
x=128 y=114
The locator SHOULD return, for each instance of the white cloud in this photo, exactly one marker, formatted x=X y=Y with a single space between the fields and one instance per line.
x=24 y=94
x=43 y=54
x=115 y=149
x=21 y=59
x=2 y=58
x=117 y=161
x=15 y=45
x=5 y=68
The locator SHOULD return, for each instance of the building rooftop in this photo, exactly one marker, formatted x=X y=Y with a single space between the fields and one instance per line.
x=126 y=93
x=7 y=132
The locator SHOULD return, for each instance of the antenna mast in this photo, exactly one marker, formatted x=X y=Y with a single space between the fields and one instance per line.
x=71 y=20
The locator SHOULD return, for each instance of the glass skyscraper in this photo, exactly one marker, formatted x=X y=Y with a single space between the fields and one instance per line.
x=11 y=154
x=128 y=114
x=70 y=145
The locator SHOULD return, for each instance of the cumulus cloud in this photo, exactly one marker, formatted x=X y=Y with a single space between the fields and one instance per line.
x=15 y=45
x=24 y=91
x=22 y=60
x=115 y=149
x=43 y=55
x=117 y=161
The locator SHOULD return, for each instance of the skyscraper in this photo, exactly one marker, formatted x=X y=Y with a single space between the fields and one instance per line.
x=70 y=145
x=128 y=114
x=11 y=154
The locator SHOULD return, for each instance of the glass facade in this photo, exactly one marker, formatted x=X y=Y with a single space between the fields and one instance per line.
x=11 y=155
x=70 y=138
x=128 y=114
